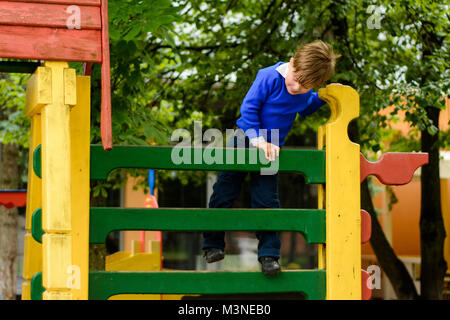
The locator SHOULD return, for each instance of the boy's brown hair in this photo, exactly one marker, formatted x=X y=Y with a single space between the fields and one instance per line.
x=314 y=64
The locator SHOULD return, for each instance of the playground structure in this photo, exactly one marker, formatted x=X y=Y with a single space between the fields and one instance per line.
x=142 y=249
x=48 y=30
x=61 y=224
x=335 y=168
x=13 y=198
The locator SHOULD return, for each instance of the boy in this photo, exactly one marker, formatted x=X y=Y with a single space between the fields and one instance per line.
x=278 y=93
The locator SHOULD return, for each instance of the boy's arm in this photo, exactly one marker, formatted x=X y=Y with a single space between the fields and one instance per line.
x=251 y=107
x=314 y=104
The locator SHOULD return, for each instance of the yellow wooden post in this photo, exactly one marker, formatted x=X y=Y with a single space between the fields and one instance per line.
x=80 y=116
x=320 y=247
x=343 y=202
x=51 y=93
x=32 y=260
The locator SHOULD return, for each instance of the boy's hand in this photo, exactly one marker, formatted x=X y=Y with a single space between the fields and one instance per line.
x=270 y=150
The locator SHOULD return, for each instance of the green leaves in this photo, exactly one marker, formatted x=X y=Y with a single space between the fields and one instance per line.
x=160 y=135
x=134 y=19
x=100 y=189
x=135 y=26
x=14 y=126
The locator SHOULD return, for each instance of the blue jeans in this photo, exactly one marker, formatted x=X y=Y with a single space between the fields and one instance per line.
x=264 y=194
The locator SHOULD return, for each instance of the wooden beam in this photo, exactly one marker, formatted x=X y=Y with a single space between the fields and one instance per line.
x=46 y=15
x=95 y=3
x=39 y=91
x=32 y=257
x=343 y=199
x=70 y=91
x=106 y=122
x=50 y=44
x=80 y=117
x=56 y=184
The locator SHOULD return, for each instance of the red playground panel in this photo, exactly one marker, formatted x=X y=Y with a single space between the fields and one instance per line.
x=60 y=30
x=393 y=168
x=366 y=226
x=366 y=290
x=13 y=198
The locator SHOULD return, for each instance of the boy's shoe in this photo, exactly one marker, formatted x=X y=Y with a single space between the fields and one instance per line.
x=269 y=266
x=213 y=254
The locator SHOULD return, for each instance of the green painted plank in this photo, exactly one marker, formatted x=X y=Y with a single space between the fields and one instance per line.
x=102 y=221
x=36 y=225
x=103 y=285
x=106 y=284
x=310 y=163
x=18 y=66
x=37 y=159
x=37 y=289
x=309 y=222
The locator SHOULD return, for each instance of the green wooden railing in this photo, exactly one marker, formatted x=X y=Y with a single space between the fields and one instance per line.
x=310 y=163
x=311 y=223
x=102 y=221
x=103 y=285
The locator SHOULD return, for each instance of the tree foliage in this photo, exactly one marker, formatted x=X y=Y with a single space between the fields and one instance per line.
x=176 y=62
x=14 y=126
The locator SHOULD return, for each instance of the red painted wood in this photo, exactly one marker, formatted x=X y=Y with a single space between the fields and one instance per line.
x=366 y=226
x=48 y=38
x=366 y=292
x=393 y=168
x=13 y=199
x=87 y=68
x=105 y=126
x=50 y=44
x=46 y=15
x=66 y=2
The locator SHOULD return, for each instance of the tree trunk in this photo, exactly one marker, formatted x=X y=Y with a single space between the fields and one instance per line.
x=432 y=231
x=8 y=223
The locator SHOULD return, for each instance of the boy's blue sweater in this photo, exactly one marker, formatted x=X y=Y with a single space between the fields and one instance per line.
x=268 y=105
